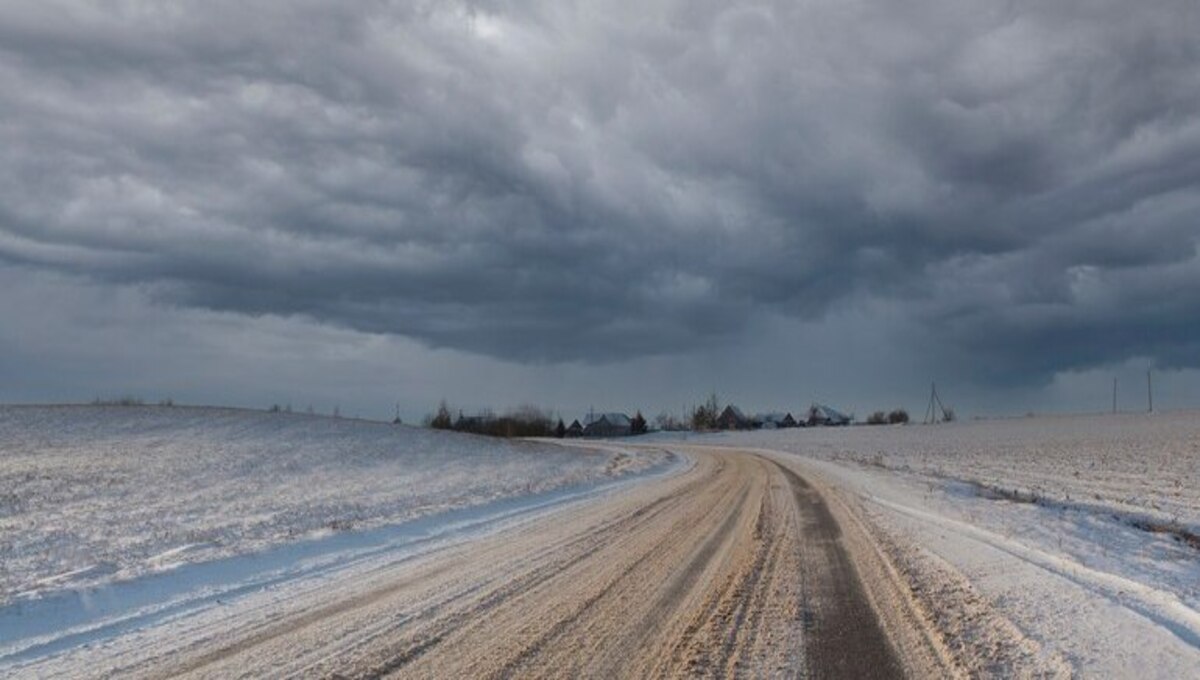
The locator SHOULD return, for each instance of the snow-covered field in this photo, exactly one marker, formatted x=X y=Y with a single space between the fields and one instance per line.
x=1146 y=464
x=92 y=494
x=1079 y=532
x=1051 y=546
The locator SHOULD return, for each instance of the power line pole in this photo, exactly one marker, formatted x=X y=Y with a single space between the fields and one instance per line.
x=935 y=403
x=1114 y=396
x=1149 y=393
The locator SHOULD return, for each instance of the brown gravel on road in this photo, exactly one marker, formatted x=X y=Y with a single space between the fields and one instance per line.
x=736 y=568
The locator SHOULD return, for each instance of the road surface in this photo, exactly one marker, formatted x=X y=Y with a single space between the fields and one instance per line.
x=738 y=567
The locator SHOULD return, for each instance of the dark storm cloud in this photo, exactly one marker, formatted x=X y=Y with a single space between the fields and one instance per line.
x=558 y=181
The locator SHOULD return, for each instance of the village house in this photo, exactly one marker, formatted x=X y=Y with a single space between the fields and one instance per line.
x=820 y=414
x=732 y=418
x=575 y=429
x=608 y=425
x=477 y=424
x=774 y=421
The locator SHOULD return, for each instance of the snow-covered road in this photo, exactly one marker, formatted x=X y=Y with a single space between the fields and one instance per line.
x=725 y=564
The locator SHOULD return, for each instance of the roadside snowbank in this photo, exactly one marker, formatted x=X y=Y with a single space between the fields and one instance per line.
x=91 y=494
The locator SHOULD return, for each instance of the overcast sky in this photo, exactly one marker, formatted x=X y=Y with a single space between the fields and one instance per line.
x=608 y=204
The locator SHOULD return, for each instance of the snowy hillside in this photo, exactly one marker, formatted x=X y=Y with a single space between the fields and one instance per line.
x=90 y=494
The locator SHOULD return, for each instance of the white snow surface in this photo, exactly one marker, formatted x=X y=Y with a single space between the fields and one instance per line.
x=1076 y=529
x=95 y=494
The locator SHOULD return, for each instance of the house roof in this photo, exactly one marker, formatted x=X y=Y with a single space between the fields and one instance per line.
x=735 y=412
x=830 y=413
x=612 y=418
x=773 y=417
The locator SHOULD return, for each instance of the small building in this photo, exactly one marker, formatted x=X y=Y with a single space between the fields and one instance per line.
x=608 y=425
x=575 y=429
x=774 y=421
x=820 y=414
x=474 y=424
x=732 y=418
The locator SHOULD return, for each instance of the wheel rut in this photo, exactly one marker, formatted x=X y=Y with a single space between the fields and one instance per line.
x=735 y=568
x=844 y=638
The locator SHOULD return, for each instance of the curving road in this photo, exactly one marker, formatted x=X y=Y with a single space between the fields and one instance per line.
x=736 y=567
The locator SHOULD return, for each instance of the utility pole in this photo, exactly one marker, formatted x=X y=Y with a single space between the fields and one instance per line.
x=1114 y=396
x=1149 y=393
x=935 y=404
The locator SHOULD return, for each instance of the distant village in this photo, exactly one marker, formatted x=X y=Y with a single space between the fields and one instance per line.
x=710 y=416
x=616 y=424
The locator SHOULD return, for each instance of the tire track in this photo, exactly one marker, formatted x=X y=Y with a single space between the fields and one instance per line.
x=551 y=558
x=843 y=638
x=591 y=543
x=735 y=568
x=679 y=584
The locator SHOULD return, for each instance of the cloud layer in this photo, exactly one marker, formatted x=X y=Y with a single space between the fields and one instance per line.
x=561 y=181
